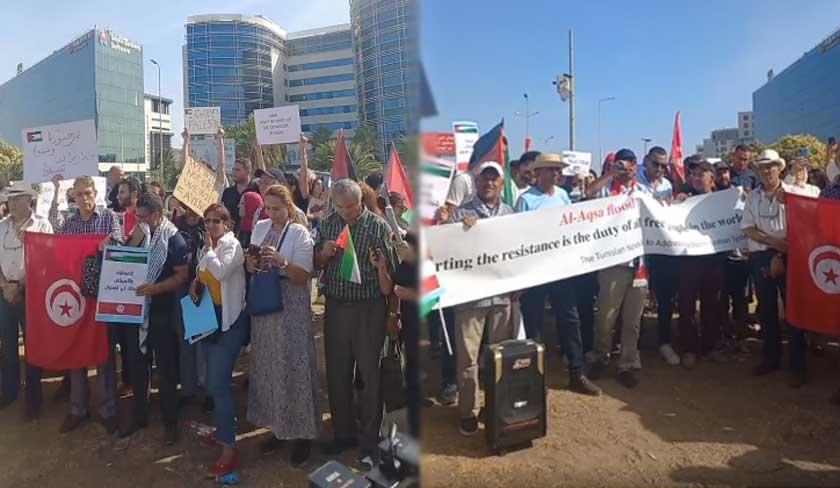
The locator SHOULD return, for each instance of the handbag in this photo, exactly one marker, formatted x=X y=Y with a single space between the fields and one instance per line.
x=91 y=269
x=265 y=295
x=392 y=377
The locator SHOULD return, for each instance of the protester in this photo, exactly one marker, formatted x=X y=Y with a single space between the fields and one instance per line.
x=318 y=198
x=220 y=269
x=405 y=278
x=159 y=337
x=622 y=288
x=797 y=178
x=817 y=178
x=488 y=318
x=157 y=188
x=766 y=230
x=375 y=180
x=89 y=220
x=250 y=209
x=267 y=179
x=370 y=199
x=283 y=391
x=242 y=182
x=355 y=315
x=832 y=190
x=547 y=169
x=701 y=277
x=128 y=191
x=112 y=183
x=832 y=159
x=521 y=175
x=740 y=171
x=13 y=303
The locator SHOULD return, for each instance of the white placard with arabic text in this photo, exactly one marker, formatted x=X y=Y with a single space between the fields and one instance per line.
x=67 y=149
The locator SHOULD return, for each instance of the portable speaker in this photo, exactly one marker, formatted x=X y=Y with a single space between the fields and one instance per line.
x=515 y=395
x=336 y=475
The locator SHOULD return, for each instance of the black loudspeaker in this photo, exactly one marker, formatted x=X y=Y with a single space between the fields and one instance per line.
x=515 y=395
x=336 y=475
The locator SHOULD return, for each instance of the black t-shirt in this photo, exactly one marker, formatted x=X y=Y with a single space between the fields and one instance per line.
x=177 y=255
x=230 y=199
x=114 y=202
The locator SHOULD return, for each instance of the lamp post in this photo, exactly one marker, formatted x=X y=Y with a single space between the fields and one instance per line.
x=528 y=114
x=645 y=140
x=600 y=146
x=160 y=124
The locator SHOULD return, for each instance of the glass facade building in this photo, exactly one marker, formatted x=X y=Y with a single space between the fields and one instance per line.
x=97 y=76
x=803 y=98
x=380 y=30
x=233 y=62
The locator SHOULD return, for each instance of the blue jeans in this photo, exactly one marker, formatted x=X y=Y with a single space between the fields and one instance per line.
x=13 y=317
x=221 y=357
x=563 y=298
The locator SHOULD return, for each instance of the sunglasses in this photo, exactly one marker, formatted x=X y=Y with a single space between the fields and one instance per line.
x=658 y=165
x=212 y=221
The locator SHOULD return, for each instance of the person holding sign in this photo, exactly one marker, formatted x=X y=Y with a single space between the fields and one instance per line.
x=221 y=270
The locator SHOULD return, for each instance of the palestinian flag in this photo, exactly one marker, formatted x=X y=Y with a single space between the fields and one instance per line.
x=34 y=136
x=431 y=289
x=342 y=164
x=348 y=268
x=493 y=146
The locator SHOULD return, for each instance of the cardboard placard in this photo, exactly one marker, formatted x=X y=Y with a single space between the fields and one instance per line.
x=203 y=120
x=196 y=187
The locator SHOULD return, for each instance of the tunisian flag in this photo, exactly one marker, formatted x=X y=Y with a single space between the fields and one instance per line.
x=395 y=178
x=813 y=267
x=61 y=332
x=342 y=164
x=676 y=169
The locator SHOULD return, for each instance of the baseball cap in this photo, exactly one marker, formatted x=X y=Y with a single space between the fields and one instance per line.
x=702 y=165
x=625 y=155
x=491 y=165
x=275 y=173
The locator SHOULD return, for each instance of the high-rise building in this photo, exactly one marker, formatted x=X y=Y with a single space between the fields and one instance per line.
x=803 y=98
x=321 y=78
x=380 y=37
x=234 y=62
x=98 y=76
x=158 y=127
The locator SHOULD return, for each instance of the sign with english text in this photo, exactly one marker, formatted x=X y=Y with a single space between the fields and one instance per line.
x=278 y=125
x=203 y=120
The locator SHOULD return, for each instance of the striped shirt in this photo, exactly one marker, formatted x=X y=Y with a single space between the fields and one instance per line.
x=103 y=221
x=369 y=232
x=764 y=213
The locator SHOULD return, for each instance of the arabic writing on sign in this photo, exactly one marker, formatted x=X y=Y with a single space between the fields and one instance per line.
x=69 y=150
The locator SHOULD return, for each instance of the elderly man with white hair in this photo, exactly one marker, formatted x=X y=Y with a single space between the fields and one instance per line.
x=357 y=254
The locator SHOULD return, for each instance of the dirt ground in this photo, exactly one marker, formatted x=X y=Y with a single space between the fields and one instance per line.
x=713 y=426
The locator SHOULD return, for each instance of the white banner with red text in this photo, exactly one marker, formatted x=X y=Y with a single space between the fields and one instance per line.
x=520 y=251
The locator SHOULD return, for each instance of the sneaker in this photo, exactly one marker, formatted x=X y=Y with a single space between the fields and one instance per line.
x=448 y=396
x=669 y=355
x=468 y=426
x=301 y=449
x=271 y=444
x=338 y=446
x=581 y=384
x=627 y=378
x=72 y=422
x=596 y=370
x=689 y=360
x=765 y=368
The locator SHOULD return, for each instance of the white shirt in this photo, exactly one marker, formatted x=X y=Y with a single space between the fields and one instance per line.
x=11 y=251
x=765 y=214
x=296 y=248
x=805 y=189
x=226 y=264
x=462 y=189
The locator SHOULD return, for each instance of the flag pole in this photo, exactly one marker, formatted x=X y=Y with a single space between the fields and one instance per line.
x=445 y=333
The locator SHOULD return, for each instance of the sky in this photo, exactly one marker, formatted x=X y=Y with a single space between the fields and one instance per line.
x=33 y=30
x=704 y=59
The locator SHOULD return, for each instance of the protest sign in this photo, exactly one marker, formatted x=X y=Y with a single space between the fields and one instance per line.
x=203 y=120
x=578 y=162
x=438 y=144
x=123 y=270
x=47 y=190
x=206 y=149
x=466 y=133
x=519 y=251
x=68 y=150
x=435 y=178
x=196 y=186
x=278 y=125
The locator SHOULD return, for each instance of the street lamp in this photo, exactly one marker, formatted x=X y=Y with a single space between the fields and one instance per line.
x=527 y=116
x=160 y=124
x=600 y=147
x=645 y=140
x=547 y=140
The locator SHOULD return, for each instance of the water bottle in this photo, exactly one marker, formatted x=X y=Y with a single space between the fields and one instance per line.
x=231 y=478
x=201 y=430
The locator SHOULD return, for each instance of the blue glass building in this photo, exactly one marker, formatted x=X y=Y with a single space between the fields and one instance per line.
x=804 y=98
x=234 y=62
x=97 y=76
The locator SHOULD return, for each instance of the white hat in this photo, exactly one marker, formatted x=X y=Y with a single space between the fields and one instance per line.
x=769 y=156
x=19 y=188
x=493 y=165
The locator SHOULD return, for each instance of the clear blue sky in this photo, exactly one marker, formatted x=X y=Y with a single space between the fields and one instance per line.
x=655 y=57
x=33 y=30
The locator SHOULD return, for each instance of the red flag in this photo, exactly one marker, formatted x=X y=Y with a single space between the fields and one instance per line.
x=61 y=332
x=813 y=263
x=342 y=164
x=395 y=178
x=676 y=168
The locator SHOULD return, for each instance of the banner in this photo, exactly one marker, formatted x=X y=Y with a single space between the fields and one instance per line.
x=196 y=186
x=61 y=331
x=278 y=125
x=203 y=120
x=519 y=251
x=466 y=133
x=47 y=190
x=123 y=270
x=68 y=150
x=435 y=178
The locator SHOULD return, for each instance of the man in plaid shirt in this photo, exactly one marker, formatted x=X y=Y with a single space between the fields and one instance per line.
x=89 y=220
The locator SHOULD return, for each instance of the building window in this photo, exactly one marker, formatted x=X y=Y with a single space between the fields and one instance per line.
x=341 y=109
x=305 y=97
x=321 y=64
x=350 y=125
x=319 y=80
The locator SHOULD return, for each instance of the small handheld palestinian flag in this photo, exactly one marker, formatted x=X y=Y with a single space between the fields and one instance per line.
x=640 y=279
x=348 y=268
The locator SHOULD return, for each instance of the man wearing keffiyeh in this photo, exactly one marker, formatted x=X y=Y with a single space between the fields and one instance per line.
x=167 y=272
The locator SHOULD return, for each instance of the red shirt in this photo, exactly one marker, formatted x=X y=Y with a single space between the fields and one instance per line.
x=129 y=221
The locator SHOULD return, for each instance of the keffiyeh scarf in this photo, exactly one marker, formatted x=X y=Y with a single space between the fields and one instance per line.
x=158 y=246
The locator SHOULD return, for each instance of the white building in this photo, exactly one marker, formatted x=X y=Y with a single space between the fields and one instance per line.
x=158 y=127
x=723 y=141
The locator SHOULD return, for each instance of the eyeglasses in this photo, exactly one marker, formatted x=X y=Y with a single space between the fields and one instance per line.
x=660 y=165
x=212 y=221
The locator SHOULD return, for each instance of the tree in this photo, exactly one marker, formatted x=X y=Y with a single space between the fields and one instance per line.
x=323 y=144
x=362 y=148
x=11 y=163
x=789 y=148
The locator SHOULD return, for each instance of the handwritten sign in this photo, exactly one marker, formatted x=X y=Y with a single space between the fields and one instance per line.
x=67 y=149
x=207 y=150
x=196 y=187
x=123 y=270
x=278 y=125
x=47 y=190
x=203 y=120
x=578 y=162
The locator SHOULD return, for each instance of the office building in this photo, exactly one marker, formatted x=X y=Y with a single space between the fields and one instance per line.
x=98 y=76
x=234 y=62
x=158 y=127
x=723 y=141
x=803 y=98
x=380 y=30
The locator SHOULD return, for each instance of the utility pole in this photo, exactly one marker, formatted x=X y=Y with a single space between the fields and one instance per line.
x=571 y=90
